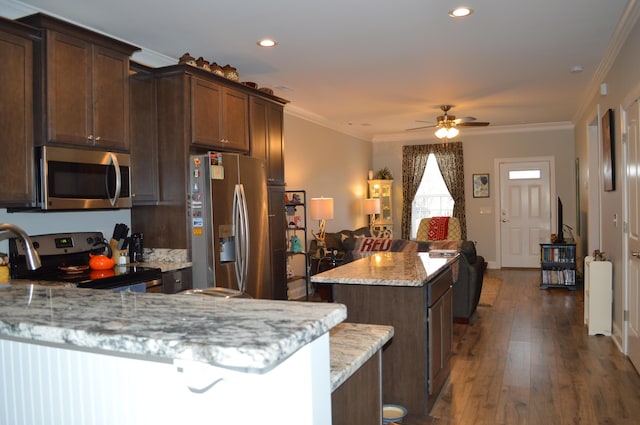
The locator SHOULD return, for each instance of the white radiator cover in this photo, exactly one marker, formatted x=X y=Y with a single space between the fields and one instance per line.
x=598 y=296
x=44 y=385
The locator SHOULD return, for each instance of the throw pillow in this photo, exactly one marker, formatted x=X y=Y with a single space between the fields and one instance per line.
x=438 y=228
x=364 y=247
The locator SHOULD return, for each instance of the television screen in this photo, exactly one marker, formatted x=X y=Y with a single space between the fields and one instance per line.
x=559 y=226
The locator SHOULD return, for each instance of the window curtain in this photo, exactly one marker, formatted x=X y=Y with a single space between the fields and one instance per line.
x=450 y=162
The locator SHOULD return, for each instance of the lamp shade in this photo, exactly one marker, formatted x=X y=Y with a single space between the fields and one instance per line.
x=321 y=208
x=372 y=206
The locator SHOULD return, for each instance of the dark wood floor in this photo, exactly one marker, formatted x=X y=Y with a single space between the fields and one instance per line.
x=528 y=360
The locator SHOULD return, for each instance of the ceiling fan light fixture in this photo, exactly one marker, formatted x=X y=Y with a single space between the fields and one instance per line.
x=447 y=132
x=441 y=133
x=461 y=12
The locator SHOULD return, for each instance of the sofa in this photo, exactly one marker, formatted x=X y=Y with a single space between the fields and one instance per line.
x=345 y=246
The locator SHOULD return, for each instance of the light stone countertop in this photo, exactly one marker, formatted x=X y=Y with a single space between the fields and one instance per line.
x=241 y=334
x=387 y=269
x=352 y=344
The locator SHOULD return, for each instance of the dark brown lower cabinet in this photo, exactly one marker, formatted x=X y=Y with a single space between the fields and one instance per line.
x=357 y=401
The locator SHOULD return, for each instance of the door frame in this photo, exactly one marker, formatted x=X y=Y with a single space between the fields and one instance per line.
x=626 y=103
x=594 y=204
x=498 y=199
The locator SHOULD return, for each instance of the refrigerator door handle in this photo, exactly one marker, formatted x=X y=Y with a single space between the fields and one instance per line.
x=236 y=234
x=245 y=238
x=241 y=231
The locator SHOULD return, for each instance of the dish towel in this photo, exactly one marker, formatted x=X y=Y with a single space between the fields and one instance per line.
x=438 y=228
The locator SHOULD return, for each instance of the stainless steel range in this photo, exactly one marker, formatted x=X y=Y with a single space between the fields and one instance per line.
x=65 y=258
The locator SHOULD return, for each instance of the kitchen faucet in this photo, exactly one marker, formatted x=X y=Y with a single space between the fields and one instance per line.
x=33 y=259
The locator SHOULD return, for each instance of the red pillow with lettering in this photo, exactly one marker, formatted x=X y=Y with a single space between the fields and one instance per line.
x=364 y=247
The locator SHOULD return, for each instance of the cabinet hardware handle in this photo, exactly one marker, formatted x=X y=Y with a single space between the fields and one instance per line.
x=90 y=137
x=98 y=138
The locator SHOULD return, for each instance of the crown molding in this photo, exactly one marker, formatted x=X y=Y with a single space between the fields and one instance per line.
x=484 y=131
x=618 y=38
x=301 y=113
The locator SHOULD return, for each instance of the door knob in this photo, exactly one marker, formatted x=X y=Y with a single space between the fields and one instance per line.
x=635 y=254
x=505 y=220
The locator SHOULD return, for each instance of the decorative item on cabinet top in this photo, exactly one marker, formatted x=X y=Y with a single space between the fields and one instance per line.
x=227 y=71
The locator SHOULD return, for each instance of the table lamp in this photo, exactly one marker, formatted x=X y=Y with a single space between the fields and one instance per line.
x=372 y=207
x=321 y=209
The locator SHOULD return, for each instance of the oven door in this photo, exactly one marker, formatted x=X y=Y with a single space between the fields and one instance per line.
x=84 y=179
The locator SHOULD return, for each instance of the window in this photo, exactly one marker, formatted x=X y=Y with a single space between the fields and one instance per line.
x=433 y=198
x=524 y=174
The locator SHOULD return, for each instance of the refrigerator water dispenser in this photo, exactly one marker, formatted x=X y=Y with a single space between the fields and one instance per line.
x=227 y=243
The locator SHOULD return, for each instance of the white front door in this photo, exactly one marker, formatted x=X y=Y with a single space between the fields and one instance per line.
x=525 y=212
x=633 y=235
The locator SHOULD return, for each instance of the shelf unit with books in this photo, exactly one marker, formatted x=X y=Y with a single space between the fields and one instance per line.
x=297 y=256
x=558 y=266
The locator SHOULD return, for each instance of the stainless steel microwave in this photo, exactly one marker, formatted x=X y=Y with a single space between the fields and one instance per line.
x=79 y=179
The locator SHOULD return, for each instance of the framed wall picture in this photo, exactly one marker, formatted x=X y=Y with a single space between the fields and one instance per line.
x=481 y=185
x=608 y=157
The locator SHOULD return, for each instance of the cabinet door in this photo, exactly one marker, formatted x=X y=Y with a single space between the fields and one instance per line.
x=266 y=137
x=235 y=114
x=259 y=130
x=16 y=120
x=206 y=113
x=275 y=171
x=440 y=341
x=110 y=80
x=144 y=142
x=278 y=242
x=68 y=95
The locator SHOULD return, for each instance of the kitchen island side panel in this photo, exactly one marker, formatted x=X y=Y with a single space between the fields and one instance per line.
x=47 y=385
x=405 y=358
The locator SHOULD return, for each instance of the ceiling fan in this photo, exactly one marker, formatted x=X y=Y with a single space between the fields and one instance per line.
x=447 y=124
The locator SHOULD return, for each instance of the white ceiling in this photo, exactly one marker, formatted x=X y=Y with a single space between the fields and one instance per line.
x=373 y=68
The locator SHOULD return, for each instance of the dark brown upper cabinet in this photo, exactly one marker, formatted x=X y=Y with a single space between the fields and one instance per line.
x=219 y=116
x=267 y=141
x=145 y=178
x=17 y=42
x=85 y=86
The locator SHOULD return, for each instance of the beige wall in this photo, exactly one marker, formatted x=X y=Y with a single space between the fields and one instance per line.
x=623 y=86
x=481 y=148
x=328 y=163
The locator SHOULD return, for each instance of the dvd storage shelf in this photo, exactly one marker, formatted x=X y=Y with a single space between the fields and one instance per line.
x=297 y=256
x=558 y=266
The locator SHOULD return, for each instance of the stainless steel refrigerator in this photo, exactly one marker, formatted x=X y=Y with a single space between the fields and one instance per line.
x=230 y=223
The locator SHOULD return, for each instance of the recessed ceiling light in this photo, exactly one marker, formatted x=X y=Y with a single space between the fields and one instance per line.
x=576 y=69
x=460 y=12
x=267 y=42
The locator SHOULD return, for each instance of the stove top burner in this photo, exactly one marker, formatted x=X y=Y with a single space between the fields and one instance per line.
x=65 y=258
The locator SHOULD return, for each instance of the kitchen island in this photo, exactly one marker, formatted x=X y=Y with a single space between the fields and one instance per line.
x=412 y=293
x=85 y=356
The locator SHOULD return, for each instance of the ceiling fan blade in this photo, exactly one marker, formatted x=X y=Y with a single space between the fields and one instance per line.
x=426 y=122
x=464 y=119
x=473 y=124
x=420 y=128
